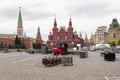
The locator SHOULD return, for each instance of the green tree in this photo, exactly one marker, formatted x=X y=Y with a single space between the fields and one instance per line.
x=118 y=43
x=37 y=45
x=23 y=46
x=11 y=46
x=18 y=43
x=16 y=40
x=112 y=43
x=1 y=45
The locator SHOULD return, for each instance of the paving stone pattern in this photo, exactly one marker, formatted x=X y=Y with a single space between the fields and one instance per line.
x=24 y=66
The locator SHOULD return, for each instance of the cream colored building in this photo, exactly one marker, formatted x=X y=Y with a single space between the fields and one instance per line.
x=100 y=34
x=113 y=33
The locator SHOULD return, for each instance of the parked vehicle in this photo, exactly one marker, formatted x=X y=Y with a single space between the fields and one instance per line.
x=104 y=51
x=57 y=51
x=109 y=56
x=61 y=49
x=92 y=48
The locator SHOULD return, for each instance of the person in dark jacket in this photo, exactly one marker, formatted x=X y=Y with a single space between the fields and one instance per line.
x=64 y=47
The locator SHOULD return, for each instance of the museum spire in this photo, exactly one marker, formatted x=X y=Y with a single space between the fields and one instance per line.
x=55 y=23
x=70 y=22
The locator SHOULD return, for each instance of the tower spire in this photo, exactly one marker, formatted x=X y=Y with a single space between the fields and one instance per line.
x=86 y=38
x=70 y=22
x=80 y=35
x=86 y=41
x=91 y=38
x=38 y=32
x=20 y=24
x=38 y=38
x=20 y=17
x=55 y=23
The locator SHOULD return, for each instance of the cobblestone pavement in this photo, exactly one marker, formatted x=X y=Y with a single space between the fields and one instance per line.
x=24 y=66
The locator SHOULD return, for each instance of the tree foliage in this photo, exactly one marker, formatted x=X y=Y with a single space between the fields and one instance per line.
x=118 y=43
x=1 y=45
x=112 y=43
x=37 y=45
x=18 y=43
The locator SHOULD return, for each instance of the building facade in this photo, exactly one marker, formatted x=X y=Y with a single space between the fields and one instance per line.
x=113 y=33
x=99 y=36
x=63 y=34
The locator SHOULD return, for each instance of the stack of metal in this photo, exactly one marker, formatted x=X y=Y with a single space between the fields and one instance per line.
x=51 y=61
x=83 y=54
x=67 y=60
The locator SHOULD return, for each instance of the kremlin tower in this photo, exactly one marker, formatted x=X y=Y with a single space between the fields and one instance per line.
x=38 y=38
x=20 y=24
x=9 y=39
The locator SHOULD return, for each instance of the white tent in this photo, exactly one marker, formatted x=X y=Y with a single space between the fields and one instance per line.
x=101 y=46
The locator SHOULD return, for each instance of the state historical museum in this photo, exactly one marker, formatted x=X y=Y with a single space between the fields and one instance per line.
x=63 y=34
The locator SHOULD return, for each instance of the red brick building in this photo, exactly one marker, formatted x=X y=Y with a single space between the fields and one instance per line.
x=64 y=34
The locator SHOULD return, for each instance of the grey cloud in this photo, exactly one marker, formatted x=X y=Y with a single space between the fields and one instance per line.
x=94 y=10
x=30 y=12
x=32 y=15
x=36 y=11
x=9 y=13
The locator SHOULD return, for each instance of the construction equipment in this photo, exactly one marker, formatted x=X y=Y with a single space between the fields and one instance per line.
x=51 y=61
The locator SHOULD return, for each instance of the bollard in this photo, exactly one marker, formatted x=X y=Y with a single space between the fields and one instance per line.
x=83 y=54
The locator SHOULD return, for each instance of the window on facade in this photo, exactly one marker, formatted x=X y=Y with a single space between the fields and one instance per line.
x=115 y=25
x=114 y=35
x=66 y=37
x=100 y=39
x=57 y=37
x=54 y=38
x=62 y=38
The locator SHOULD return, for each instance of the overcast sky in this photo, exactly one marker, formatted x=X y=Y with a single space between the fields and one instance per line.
x=86 y=15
